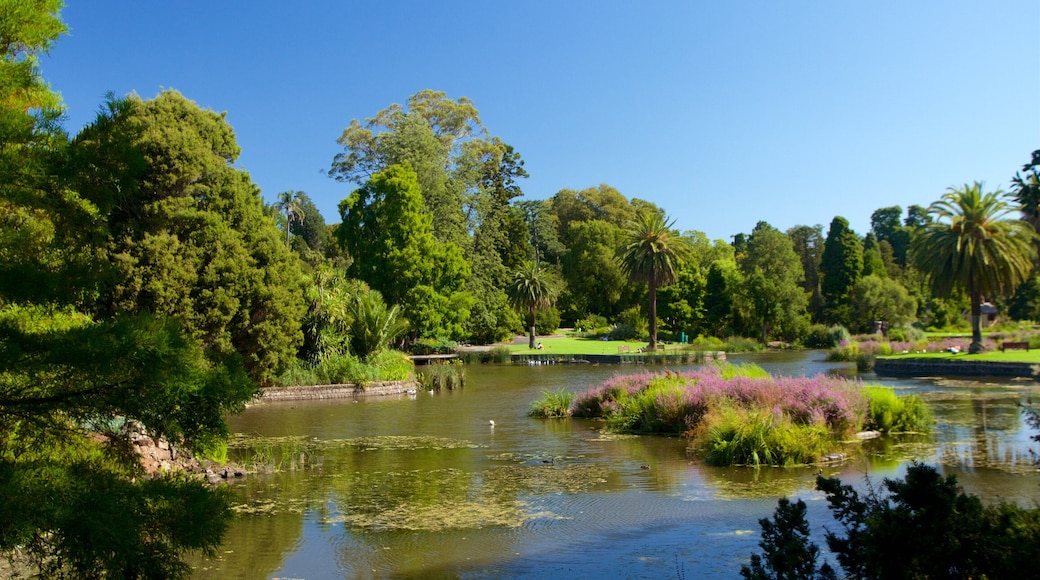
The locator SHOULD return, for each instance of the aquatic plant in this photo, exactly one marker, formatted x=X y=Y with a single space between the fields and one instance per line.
x=741 y=414
x=891 y=413
x=442 y=375
x=552 y=405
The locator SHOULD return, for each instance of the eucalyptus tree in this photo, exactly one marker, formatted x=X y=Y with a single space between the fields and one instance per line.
x=972 y=246
x=651 y=253
x=533 y=288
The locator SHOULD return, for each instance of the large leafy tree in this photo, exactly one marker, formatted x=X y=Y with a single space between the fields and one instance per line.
x=76 y=502
x=1025 y=187
x=187 y=230
x=773 y=280
x=652 y=253
x=389 y=237
x=971 y=245
x=533 y=288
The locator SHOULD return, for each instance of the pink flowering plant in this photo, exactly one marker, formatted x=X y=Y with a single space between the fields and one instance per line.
x=734 y=414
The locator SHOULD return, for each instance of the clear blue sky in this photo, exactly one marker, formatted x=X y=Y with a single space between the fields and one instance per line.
x=723 y=113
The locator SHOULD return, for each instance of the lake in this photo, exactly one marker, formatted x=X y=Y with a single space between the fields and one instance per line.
x=425 y=486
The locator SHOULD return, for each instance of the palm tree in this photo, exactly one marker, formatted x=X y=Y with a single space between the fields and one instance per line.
x=532 y=289
x=290 y=203
x=651 y=254
x=970 y=245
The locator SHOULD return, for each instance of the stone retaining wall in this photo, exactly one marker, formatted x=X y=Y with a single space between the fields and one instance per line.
x=923 y=367
x=319 y=392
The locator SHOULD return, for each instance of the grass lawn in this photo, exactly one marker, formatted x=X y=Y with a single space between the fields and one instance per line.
x=573 y=345
x=1032 y=356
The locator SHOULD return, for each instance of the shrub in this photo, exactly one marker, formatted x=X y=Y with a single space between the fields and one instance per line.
x=547 y=320
x=391 y=365
x=838 y=335
x=622 y=331
x=865 y=362
x=818 y=336
x=498 y=354
x=742 y=437
x=891 y=413
x=742 y=344
x=844 y=352
x=425 y=346
x=592 y=325
x=552 y=405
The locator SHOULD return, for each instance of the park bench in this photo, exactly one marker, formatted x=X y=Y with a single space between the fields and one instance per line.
x=624 y=348
x=1008 y=345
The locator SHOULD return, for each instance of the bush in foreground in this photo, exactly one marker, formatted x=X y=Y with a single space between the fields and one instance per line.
x=921 y=527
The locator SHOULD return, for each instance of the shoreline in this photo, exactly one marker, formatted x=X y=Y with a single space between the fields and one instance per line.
x=929 y=367
x=341 y=391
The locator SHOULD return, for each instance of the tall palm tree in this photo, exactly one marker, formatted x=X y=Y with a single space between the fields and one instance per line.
x=651 y=254
x=290 y=203
x=970 y=245
x=532 y=289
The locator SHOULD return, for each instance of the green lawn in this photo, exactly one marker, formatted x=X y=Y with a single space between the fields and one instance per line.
x=572 y=345
x=1032 y=356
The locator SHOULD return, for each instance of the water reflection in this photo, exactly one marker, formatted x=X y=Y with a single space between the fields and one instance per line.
x=423 y=486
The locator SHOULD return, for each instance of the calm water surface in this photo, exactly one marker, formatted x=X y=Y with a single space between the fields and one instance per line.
x=425 y=487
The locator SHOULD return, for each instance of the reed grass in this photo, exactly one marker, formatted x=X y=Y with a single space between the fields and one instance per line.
x=552 y=404
x=438 y=376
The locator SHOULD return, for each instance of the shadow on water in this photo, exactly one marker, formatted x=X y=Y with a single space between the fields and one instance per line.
x=425 y=486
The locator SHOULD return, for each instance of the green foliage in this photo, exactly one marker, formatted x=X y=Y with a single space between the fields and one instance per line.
x=817 y=337
x=592 y=325
x=374 y=326
x=187 y=235
x=891 y=413
x=787 y=552
x=925 y=526
x=547 y=321
x=773 y=279
x=971 y=246
x=841 y=266
x=552 y=404
x=390 y=238
x=652 y=252
x=532 y=289
x=742 y=344
x=744 y=370
x=884 y=299
x=498 y=354
x=391 y=365
x=434 y=346
x=437 y=376
x=739 y=436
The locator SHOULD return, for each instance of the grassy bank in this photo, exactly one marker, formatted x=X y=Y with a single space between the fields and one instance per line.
x=569 y=345
x=740 y=415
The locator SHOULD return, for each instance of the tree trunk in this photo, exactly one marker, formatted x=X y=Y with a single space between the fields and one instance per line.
x=530 y=325
x=653 y=317
x=976 y=323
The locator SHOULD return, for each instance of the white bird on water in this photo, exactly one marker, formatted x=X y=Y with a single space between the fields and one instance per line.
x=491 y=422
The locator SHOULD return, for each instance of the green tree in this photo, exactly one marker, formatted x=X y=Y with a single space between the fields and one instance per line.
x=722 y=283
x=76 y=499
x=389 y=237
x=879 y=298
x=841 y=266
x=651 y=253
x=787 y=552
x=289 y=202
x=595 y=281
x=532 y=289
x=808 y=244
x=873 y=262
x=187 y=230
x=971 y=246
x=884 y=224
x=773 y=279
x=1026 y=191
x=442 y=140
